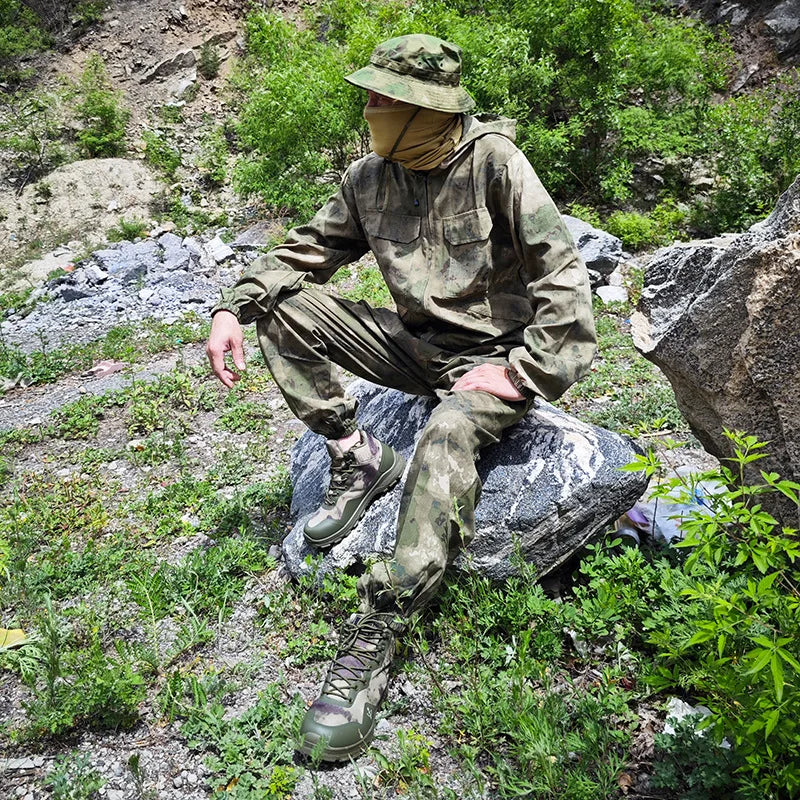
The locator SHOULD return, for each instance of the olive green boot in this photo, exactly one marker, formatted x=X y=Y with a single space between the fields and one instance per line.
x=358 y=475
x=343 y=716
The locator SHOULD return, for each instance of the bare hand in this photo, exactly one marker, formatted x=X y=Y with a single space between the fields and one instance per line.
x=489 y=378
x=226 y=336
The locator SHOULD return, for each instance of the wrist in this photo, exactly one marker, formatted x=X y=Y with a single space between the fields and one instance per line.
x=515 y=379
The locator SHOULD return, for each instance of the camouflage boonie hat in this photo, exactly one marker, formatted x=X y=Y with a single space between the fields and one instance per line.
x=417 y=69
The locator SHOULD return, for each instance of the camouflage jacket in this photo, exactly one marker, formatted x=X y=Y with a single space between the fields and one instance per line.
x=474 y=253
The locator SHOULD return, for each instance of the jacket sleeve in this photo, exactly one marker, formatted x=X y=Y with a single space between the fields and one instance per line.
x=313 y=252
x=559 y=342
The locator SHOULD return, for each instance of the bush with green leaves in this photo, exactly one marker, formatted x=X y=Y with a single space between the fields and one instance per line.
x=101 y=113
x=734 y=641
x=598 y=89
x=20 y=35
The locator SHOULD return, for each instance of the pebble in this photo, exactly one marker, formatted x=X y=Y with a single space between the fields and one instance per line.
x=191 y=778
x=177 y=782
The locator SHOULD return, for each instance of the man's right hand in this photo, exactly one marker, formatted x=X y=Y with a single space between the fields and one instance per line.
x=226 y=336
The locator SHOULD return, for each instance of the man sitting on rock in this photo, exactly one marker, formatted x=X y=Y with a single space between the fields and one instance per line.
x=493 y=310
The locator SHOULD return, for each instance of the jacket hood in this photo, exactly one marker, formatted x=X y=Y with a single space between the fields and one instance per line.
x=480 y=125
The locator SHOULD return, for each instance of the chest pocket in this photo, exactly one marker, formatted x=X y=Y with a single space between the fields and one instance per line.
x=391 y=227
x=469 y=253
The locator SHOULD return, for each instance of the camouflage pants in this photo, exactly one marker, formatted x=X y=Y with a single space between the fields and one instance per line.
x=304 y=337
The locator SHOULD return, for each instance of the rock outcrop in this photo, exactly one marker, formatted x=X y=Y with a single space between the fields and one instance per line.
x=719 y=317
x=549 y=486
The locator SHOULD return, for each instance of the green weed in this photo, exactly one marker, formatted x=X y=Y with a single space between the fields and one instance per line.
x=252 y=755
x=72 y=778
x=104 y=120
x=208 y=61
x=160 y=154
x=127 y=230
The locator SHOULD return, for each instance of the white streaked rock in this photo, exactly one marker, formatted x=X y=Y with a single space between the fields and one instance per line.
x=549 y=486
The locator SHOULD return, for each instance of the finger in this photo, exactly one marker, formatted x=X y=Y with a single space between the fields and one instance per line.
x=216 y=357
x=237 y=351
x=229 y=377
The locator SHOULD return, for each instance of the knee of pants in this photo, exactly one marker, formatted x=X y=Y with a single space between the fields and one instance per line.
x=448 y=424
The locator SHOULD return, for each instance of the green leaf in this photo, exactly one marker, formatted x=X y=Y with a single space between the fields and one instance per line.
x=760 y=560
x=721 y=644
x=777 y=676
x=790 y=660
x=772 y=721
x=761 y=657
x=765 y=584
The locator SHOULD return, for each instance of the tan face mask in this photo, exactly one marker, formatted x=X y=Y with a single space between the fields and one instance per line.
x=415 y=137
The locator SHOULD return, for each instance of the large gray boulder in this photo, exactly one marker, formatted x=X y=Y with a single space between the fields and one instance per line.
x=719 y=317
x=549 y=486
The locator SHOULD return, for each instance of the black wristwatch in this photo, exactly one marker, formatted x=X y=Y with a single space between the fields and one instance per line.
x=519 y=384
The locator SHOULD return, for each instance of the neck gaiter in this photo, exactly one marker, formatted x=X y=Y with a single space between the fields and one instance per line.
x=415 y=137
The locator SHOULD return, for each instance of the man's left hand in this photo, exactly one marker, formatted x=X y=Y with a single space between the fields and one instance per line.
x=489 y=378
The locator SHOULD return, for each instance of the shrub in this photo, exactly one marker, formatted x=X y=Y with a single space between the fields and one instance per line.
x=104 y=121
x=566 y=70
x=208 y=62
x=733 y=641
x=160 y=154
x=213 y=160
x=20 y=35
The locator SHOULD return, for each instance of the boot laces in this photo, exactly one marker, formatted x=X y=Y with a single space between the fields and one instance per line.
x=342 y=471
x=362 y=648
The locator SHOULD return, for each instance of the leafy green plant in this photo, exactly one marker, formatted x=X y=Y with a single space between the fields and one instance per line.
x=214 y=155
x=72 y=778
x=409 y=772
x=250 y=756
x=208 y=61
x=104 y=120
x=159 y=153
x=20 y=34
x=735 y=642
x=692 y=765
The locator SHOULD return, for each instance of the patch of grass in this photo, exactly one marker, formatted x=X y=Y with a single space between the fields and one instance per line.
x=130 y=343
x=543 y=735
x=251 y=755
x=127 y=230
x=76 y=683
x=623 y=391
x=160 y=154
x=243 y=416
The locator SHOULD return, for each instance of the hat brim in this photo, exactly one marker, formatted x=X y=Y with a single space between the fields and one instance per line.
x=406 y=88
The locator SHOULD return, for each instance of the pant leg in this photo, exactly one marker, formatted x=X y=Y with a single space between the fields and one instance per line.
x=309 y=332
x=437 y=510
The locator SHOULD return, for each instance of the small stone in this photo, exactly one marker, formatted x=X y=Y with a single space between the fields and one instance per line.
x=218 y=250
x=177 y=782
x=113 y=206
x=191 y=778
x=612 y=294
x=146 y=294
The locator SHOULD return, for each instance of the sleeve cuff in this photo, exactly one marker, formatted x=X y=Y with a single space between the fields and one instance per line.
x=223 y=306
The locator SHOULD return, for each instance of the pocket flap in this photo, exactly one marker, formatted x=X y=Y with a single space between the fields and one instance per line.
x=469 y=226
x=394 y=227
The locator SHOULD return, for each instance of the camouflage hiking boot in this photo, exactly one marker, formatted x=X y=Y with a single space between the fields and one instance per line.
x=344 y=713
x=357 y=476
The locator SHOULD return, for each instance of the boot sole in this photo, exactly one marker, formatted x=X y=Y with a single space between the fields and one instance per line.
x=334 y=754
x=385 y=482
